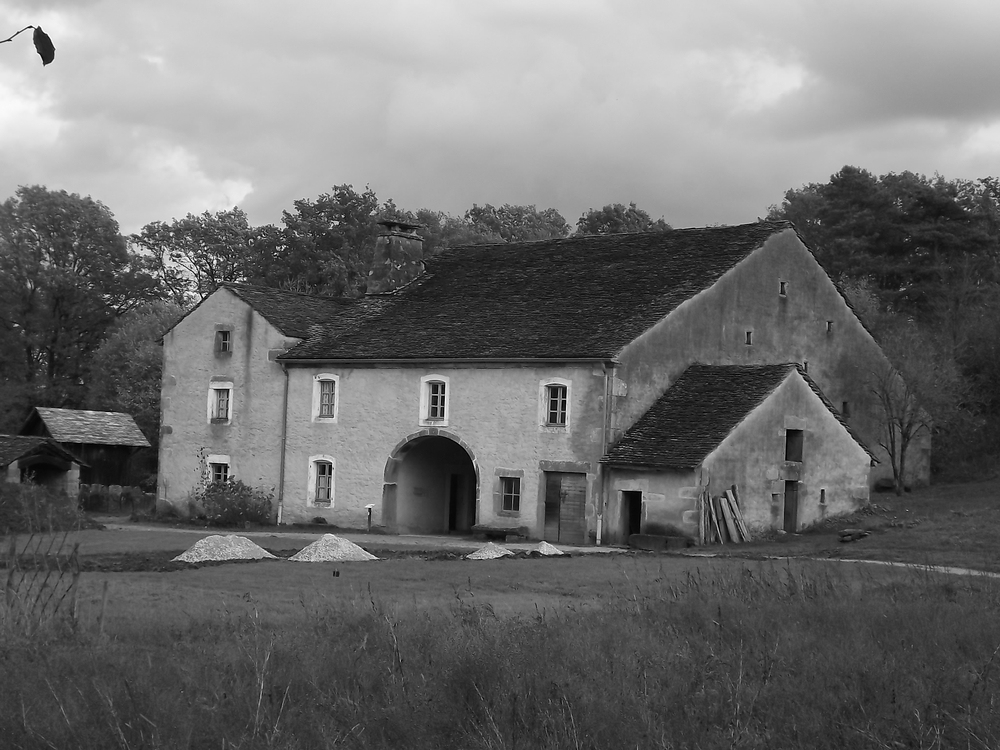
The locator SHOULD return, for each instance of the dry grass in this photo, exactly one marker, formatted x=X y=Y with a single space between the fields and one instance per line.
x=950 y=525
x=745 y=655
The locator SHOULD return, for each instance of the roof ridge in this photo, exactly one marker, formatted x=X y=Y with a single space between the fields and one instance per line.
x=265 y=288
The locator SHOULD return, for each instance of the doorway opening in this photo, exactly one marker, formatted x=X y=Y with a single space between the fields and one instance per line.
x=790 y=522
x=631 y=513
x=433 y=482
x=565 y=507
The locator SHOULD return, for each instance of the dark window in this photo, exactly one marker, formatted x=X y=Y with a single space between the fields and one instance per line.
x=783 y=288
x=805 y=365
x=845 y=409
x=435 y=399
x=556 y=412
x=829 y=326
x=324 y=482
x=510 y=493
x=793 y=445
x=220 y=472
x=749 y=338
x=224 y=341
x=327 y=397
x=822 y=497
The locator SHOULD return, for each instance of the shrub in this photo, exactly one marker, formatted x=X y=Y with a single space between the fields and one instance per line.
x=233 y=503
x=31 y=508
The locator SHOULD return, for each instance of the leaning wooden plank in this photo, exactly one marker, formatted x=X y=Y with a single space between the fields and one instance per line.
x=727 y=513
x=737 y=514
x=702 y=520
x=721 y=520
x=714 y=522
x=738 y=509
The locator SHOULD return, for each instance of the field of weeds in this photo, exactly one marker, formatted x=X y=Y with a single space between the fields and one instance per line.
x=588 y=651
x=949 y=525
x=585 y=652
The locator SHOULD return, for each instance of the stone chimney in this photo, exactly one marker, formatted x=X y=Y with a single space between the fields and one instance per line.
x=399 y=256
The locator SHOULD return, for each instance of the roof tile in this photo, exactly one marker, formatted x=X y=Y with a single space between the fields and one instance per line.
x=91 y=427
x=13 y=447
x=578 y=297
x=698 y=412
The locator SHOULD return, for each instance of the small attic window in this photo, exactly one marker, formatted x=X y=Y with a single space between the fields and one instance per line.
x=805 y=365
x=845 y=410
x=783 y=288
x=749 y=338
x=829 y=326
x=224 y=342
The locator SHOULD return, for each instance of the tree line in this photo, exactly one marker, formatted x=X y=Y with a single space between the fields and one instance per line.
x=82 y=306
x=919 y=258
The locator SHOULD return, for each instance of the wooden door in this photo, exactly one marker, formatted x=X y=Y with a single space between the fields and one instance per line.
x=565 y=507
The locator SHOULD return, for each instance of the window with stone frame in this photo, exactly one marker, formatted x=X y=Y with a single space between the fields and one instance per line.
x=323 y=494
x=510 y=494
x=436 y=399
x=219 y=472
x=222 y=404
x=327 y=398
x=556 y=399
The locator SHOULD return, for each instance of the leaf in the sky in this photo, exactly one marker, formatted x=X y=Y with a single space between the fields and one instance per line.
x=43 y=45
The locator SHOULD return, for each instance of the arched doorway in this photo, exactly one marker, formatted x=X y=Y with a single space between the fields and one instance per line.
x=431 y=486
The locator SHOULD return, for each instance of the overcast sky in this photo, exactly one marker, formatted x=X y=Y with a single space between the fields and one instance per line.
x=700 y=111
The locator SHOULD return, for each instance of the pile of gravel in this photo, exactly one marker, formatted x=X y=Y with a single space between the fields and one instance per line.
x=489 y=551
x=228 y=547
x=332 y=548
x=544 y=548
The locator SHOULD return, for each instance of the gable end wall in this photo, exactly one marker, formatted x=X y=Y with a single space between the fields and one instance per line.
x=190 y=365
x=711 y=328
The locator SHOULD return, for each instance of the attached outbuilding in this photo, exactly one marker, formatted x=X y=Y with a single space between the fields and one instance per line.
x=767 y=429
x=41 y=461
x=106 y=441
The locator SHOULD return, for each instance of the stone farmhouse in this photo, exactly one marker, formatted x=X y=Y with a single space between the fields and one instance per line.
x=577 y=389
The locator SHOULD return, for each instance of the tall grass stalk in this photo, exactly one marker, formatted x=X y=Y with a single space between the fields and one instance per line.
x=41 y=585
x=757 y=658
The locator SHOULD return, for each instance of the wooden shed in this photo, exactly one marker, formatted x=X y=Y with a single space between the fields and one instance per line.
x=106 y=441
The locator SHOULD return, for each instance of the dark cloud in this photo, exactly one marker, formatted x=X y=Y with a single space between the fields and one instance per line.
x=701 y=113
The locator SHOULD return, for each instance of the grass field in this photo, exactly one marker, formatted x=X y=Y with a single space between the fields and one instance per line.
x=590 y=651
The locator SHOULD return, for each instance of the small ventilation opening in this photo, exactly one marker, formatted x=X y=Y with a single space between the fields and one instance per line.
x=749 y=338
x=783 y=288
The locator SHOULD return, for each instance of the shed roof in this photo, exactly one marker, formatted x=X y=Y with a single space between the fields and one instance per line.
x=577 y=297
x=88 y=427
x=14 y=447
x=700 y=410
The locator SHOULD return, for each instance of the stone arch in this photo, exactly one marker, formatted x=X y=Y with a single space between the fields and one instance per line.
x=432 y=484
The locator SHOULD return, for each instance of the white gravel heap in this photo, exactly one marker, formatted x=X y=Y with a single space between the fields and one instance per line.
x=544 y=548
x=332 y=548
x=219 y=547
x=489 y=551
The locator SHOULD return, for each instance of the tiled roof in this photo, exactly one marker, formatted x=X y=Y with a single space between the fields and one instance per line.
x=699 y=411
x=13 y=447
x=91 y=427
x=292 y=313
x=578 y=297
